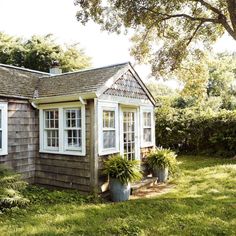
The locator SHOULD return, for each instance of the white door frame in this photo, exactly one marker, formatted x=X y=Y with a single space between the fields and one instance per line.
x=136 y=128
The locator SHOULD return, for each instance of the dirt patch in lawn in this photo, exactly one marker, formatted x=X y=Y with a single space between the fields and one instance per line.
x=152 y=191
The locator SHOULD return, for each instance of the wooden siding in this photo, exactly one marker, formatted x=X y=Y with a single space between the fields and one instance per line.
x=67 y=171
x=127 y=86
x=23 y=138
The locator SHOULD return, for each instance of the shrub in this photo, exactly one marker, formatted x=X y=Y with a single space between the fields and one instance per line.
x=162 y=158
x=122 y=169
x=197 y=131
x=11 y=186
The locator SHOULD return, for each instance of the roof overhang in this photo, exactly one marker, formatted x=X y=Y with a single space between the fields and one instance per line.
x=64 y=98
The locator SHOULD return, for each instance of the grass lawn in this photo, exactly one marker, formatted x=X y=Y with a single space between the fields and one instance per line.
x=202 y=203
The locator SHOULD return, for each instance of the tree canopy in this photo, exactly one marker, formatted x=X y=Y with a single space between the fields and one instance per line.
x=39 y=52
x=178 y=28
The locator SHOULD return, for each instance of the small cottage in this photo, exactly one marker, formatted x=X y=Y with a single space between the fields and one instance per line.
x=56 y=129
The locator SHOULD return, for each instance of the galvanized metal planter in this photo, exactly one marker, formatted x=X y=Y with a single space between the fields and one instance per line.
x=119 y=192
x=161 y=174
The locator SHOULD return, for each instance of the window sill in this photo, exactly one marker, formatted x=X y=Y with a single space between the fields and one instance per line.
x=145 y=145
x=69 y=153
x=3 y=153
x=108 y=152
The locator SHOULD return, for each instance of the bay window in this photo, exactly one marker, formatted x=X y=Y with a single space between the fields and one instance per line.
x=62 y=128
x=3 y=128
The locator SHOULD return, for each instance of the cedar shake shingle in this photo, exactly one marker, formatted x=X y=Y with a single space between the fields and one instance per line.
x=16 y=81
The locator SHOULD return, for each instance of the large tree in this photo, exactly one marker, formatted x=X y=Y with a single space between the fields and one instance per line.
x=177 y=27
x=39 y=52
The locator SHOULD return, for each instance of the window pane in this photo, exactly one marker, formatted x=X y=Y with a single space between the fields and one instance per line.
x=108 y=119
x=52 y=138
x=147 y=119
x=51 y=119
x=147 y=135
x=74 y=138
x=73 y=118
x=109 y=139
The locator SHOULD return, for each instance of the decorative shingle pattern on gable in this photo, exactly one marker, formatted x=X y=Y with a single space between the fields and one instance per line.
x=127 y=86
x=79 y=82
x=17 y=82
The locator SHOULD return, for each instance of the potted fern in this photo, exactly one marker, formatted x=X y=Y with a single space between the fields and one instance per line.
x=121 y=173
x=161 y=161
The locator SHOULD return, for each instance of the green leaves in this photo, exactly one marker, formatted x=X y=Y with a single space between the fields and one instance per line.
x=122 y=169
x=39 y=52
x=161 y=158
x=166 y=32
x=197 y=131
x=11 y=186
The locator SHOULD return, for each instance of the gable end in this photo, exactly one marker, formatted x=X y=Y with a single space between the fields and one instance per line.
x=127 y=86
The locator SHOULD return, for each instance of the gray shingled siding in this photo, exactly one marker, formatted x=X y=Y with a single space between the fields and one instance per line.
x=127 y=86
x=68 y=171
x=23 y=138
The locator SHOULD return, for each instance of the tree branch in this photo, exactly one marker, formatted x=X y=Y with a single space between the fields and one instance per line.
x=194 y=33
x=210 y=7
x=231 y=5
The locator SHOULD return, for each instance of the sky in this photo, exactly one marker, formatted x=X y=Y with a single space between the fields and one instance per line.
x=25 y=18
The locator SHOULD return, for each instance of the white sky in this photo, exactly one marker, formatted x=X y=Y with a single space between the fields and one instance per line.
x=27 y=17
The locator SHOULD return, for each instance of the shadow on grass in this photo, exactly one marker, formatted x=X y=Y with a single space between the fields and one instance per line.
x=203 y=203
x=196 y=162
x=167 y=216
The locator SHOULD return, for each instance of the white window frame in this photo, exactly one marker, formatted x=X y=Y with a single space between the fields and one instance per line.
x=71 y=128
x=62 y=149
x=107 y=106
x=4 y=126
x=45 y=129
x=143 y=142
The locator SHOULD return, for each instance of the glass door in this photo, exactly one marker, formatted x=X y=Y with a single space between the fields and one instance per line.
x=129 y=145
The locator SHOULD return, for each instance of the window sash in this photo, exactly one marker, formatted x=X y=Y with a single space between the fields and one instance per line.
x=73 y=128
x=51 y=129
x=108 y=130
x=147 y=127
x=108 y=133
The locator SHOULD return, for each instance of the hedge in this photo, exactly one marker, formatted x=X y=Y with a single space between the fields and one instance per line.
x=194 y=131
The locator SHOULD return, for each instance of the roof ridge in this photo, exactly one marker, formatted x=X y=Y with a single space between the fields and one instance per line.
x=23 y=69
x=87 y=70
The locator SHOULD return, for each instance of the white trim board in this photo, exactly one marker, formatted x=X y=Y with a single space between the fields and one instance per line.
x=4 y=128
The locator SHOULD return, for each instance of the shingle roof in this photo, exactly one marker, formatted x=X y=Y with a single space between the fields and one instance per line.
x=28 y=84
x=18 y=82
x=85 y=81
x=15 y=81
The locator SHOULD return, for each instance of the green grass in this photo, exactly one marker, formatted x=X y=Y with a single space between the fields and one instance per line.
x=202 y=203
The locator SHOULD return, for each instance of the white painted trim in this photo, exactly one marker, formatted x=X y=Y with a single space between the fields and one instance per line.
x=62 y=145
x=125 y=100
x=63 y=98
x=143 y=143
x=108 y=106
x=4 y=118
